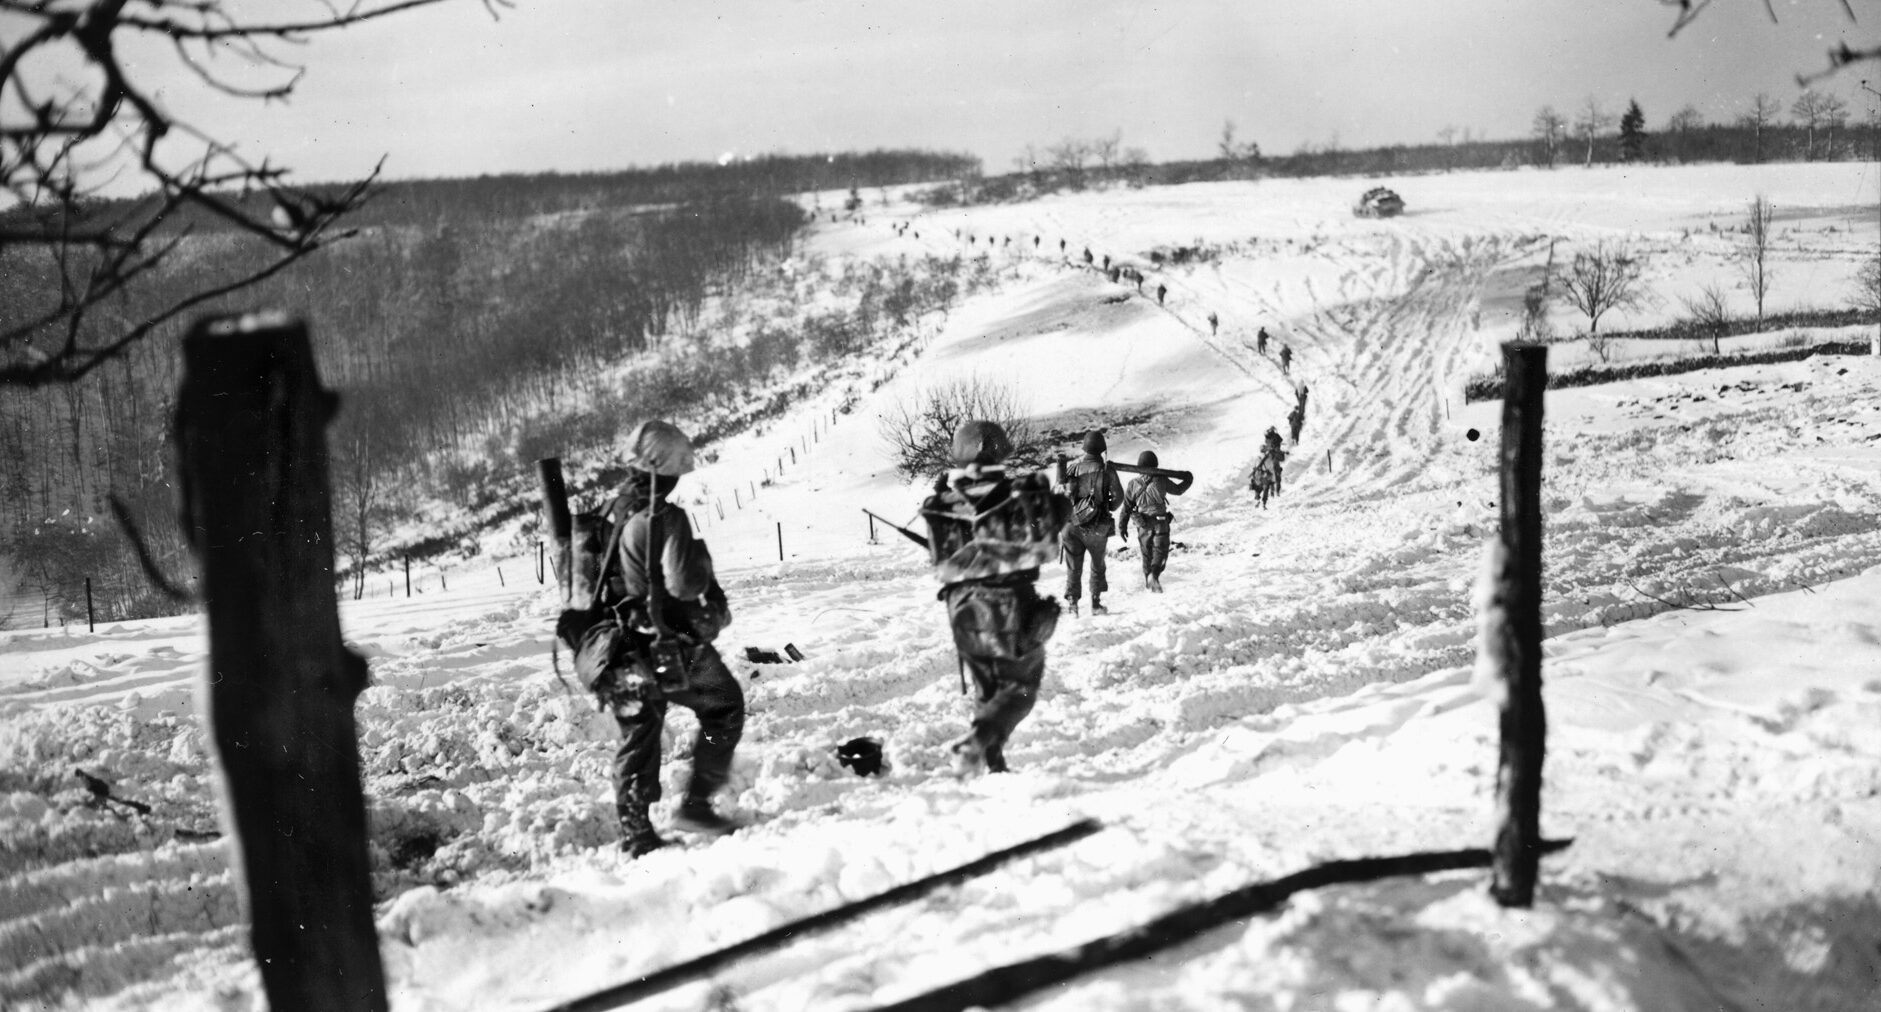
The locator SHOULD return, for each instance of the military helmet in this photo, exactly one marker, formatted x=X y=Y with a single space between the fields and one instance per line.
x=981 y=442
x=1094 y=442
x=660 y=448
x=1146 y=459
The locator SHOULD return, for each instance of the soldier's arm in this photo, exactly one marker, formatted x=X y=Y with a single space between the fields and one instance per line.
x=1177 y=486
x=1114 y=487
x=1129 y=508
x=685 y=561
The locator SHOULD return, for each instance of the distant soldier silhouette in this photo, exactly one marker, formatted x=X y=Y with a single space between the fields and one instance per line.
x=1286 y=360
x=1260 y=342
x=1087 y=255
x=1214 y=323
x=1061 y=245
x=1295 y=419
x=1161 y=290
x=1107 y=261
x=1147 y=499
x=1035 y=242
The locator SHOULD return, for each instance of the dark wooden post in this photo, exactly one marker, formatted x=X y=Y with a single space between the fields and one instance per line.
x=250 y=435
x=1512 y=631
x=540 y=577
x=91 y=622
x=407 y=576
x=556 y=518
x=780 y=541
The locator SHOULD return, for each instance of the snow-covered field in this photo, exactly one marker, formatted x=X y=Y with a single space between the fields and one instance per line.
x=1302 y=692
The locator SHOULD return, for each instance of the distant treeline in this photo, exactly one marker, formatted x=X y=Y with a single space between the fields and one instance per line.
x=434 y=336
x=1739 y=143
x=428 y=201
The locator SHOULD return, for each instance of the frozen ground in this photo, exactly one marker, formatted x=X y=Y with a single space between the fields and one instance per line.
x=1302 y=692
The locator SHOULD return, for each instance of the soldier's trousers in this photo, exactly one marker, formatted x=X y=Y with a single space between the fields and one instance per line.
x=718 y=701
x=1000 y=633
x=1152 y=536
x=1077 y=542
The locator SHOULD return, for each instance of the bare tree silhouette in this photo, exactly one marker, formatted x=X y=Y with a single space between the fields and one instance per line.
x=75 y=114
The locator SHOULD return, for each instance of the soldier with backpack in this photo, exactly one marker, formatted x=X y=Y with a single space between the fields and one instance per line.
x=1148 y=499
x=988 y=534
x=1094 y=492
x=1286 y=360
x=645 y=643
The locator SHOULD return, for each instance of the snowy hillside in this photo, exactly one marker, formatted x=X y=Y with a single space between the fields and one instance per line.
x=1301 y=693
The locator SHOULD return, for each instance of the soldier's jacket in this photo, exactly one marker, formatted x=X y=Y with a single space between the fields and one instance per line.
x=694 y=602
x=984 y=524
x=1094 y=489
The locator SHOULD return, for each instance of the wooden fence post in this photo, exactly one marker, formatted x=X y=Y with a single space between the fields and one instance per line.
x=780 y=541
x=556 y=518
x=1511 y=635
x=250 y=431
x=91 y=621
x=407 y=576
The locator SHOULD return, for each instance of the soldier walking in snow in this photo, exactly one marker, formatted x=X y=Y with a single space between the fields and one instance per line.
x=988 y=534
x=1260 y=342
x=1286 y=360
x=1148 y=499
x=1214 y=323
x=649 y=643
x=1161 y=290
x=1295 y=420
x=1095 y=492
x=1272 y=456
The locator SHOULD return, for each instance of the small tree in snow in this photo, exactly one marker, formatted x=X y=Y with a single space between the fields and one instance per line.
x=1632 y=133
x=1549 y=128
x=1756 y=252
x=1589 y=123
x=1603 y=278
x=1708 y=311
x=1868 y=296
x=920 y=434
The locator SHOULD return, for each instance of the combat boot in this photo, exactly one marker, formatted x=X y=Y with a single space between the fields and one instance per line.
x=695 y=815
x=969 y=758
x=637 y=835
x=1097 y=606
x=1072 y=603
x=1156 y=582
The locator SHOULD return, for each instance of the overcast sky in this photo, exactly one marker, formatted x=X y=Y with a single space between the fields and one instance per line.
x=579 y=85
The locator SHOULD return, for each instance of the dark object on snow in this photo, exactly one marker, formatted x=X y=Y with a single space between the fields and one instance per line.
x=1012 y=982
x=101 y=794
x=791 y=651
x=864 y=755
x=756 y=656
x=1379 y=202
x=666 y=979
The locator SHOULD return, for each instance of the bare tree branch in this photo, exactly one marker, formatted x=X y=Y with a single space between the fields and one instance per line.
x=59 y=147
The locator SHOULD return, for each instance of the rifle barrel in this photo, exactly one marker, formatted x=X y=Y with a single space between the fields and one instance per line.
x=1159 y=472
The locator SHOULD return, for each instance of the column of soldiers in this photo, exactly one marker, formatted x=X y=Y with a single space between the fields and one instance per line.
x=644 y=611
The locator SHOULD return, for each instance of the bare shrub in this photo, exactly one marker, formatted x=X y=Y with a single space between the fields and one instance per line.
x=920 y=435
x=1604 y=278
x=1868 y=286
x=1709 y=314
x=1756 y=252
